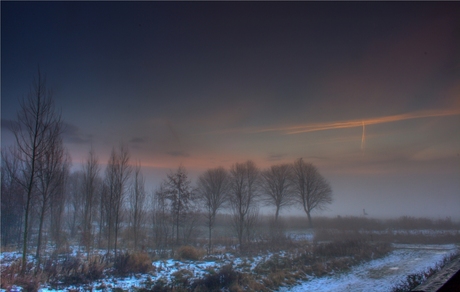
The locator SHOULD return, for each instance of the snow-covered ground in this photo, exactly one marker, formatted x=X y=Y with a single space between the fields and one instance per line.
x=377 y=275
x=381 y=274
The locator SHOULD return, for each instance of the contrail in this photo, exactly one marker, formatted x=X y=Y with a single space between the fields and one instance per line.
x=363 y=138
x=306 y=128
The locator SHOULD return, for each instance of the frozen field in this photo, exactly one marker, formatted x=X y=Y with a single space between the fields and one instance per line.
x=381 y=274
x=376 y=275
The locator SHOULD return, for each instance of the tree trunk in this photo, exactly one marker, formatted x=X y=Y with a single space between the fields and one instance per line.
x=40 y=230
x=310 y=225
x=210 y=238
x=26 y=229
x=276 y=214
x=116 y=234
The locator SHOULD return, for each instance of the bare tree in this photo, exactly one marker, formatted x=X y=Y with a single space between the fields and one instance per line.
x=213 y=189
x=91 y=183
x=252 y=220
x=12 y=204
x=160 y=217
x=117 y=175
x=243 y=195
x=104 y=198
x=277 y=187
x=51 y=172
x=137 y=202
x=74 y=202
x=178 y=191
x=57 y=207
x=312 y=190
x=37 y=127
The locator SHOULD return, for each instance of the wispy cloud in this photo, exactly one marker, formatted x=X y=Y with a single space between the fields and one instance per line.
x=275 y=157
x=72 y=134
x=305 y=128
x=178 y=153
x=138 y=140
x=6 y=124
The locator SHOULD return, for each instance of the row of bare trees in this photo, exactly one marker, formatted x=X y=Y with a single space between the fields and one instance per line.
x=41 y=196
x=244 y=187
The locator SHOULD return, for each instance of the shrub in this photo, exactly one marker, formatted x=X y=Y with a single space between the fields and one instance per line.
x=127 y=263
x=226 y=277
x=181 y=278
x=73 y=270
x=11 y=275
x=189 y=253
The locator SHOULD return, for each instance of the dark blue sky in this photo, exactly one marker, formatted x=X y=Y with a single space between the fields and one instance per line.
x=209 y=83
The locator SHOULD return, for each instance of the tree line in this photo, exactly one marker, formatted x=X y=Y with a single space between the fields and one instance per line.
x=42 y=200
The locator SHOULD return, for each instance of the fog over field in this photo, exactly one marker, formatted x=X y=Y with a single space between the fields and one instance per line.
x=368 y=92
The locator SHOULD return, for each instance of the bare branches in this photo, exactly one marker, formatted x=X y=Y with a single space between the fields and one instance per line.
x=137 y=201
x=213 y=189
x=37 y=129
x=52 y=169
x=244 y=194
x=117 y=174
x=91 y=183
x=311 y=188
x=178 y=190
x=277 y=186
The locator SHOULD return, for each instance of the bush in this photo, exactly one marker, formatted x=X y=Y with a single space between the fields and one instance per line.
x=11 y=276
x=127 y=263
x=225 y=278
x=73 y=270
x=182 y=278
x=188 y=253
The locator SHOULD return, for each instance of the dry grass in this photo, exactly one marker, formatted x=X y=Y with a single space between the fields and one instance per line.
x=189 y=253
x=11 y=276
x=133 y=263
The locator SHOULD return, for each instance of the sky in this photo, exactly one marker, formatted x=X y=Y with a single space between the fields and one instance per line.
x=368 y=92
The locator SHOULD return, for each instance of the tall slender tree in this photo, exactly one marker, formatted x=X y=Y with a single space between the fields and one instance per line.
x=12 y=210
x=37 y=128
x=161 y=218
x=178 y=190
x=244 y=195
x=137 y=202
x=59 y=200
x=51 y=172
x=213 y=189
x=118 y=172
x=91 y=183
x=74 y=203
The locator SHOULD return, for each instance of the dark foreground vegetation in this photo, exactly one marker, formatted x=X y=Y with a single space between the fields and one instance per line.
x=335 y=246
x=296 y=262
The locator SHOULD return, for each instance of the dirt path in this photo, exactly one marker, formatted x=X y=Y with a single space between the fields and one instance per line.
x=381 y=274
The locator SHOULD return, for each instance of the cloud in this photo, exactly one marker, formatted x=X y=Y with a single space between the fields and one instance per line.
x=7 y=124
x=138 y=140
x=72 y=134
x=275 y=157
x=178 y=154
